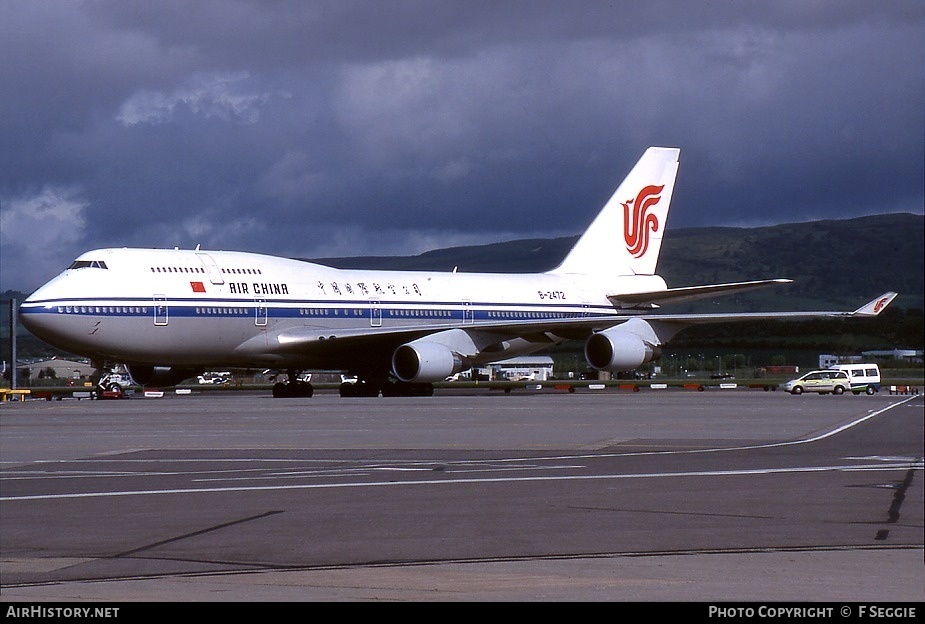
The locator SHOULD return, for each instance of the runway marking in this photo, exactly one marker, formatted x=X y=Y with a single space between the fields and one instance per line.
x=817 y=438
x=317 y=486
x=364 y=471
x=915 y=464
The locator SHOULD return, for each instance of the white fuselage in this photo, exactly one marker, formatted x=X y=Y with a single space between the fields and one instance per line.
x=204 y=308
x=194 y=309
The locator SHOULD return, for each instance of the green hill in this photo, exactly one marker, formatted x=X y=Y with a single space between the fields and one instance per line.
x=834 y=264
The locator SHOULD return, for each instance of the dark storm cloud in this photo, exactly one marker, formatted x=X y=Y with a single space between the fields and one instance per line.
x=316 y=128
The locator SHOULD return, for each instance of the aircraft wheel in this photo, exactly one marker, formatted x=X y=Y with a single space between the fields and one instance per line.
x=298 y=389
x=403 y=389
x=359 y=388
x=301 y=389
x=368 y=389
x=416 y=390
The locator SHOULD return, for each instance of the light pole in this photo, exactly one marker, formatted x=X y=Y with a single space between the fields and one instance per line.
x=13 y=379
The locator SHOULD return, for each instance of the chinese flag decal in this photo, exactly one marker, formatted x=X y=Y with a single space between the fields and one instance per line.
x=198 y=287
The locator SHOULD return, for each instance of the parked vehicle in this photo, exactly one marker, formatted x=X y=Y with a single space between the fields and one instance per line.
x=864 y=377
x=215 y=378
x=111 y=386
x=821 y=381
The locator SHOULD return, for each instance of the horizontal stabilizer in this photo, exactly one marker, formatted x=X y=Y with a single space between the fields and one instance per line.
x=691 y=293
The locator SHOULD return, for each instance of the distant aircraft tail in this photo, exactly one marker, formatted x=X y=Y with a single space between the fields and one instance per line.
x=876 y=306
x=626 y=237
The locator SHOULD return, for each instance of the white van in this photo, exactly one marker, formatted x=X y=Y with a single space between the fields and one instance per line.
x=864 y=377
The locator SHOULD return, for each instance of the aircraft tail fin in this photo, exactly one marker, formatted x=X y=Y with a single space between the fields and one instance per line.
x=875 y=306
x=626 y=236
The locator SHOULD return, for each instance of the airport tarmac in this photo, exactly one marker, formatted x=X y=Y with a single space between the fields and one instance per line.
x=717 y=496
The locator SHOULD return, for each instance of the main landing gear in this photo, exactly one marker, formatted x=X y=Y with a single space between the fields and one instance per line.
x=294 y=387
x=388 y=388
x=298 y=386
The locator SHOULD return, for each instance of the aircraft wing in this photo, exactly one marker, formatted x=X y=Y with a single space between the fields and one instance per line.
x=870 y=309
x=545 y=330
x=295 y=340
x=690 y=293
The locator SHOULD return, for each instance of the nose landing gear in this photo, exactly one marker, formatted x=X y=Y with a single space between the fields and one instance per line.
x=298 y=385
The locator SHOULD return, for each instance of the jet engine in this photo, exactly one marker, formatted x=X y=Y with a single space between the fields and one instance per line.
x=161 y=375
x=618 y=349
x=425 y=362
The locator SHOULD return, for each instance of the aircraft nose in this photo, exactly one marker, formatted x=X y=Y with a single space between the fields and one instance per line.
x=33 y=298
x=32 y=312
x=39 y=311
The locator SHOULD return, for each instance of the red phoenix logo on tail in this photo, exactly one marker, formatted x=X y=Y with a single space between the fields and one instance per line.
x=637 y=223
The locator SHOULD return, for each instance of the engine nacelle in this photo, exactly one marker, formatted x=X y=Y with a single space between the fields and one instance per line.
x=617 y=349
x=160 y=375
x=424 y=362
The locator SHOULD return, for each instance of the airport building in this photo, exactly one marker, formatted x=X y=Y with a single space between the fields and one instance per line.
x=57 y=368
x=827 y=360
x=532 y=368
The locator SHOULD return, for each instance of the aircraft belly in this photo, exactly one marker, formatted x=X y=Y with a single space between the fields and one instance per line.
x=76 y=334
x=512 y=348
x=318 y=348
x=181 y=341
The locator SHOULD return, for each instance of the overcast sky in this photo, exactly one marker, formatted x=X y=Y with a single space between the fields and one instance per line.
x=382 y=127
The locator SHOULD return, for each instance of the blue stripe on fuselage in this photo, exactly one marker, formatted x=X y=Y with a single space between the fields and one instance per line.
x=213 y=308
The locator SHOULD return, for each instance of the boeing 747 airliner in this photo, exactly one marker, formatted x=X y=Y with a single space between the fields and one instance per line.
x=169 y=314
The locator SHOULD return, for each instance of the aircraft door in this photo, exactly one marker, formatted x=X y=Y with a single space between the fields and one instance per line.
x=208 y=262
x=375 y=313
x=260 y=318
x=161 y=315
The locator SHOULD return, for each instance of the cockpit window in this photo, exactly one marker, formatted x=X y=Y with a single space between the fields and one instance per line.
x=88 y=264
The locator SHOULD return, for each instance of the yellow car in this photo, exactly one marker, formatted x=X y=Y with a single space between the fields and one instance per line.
x=821 y=381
